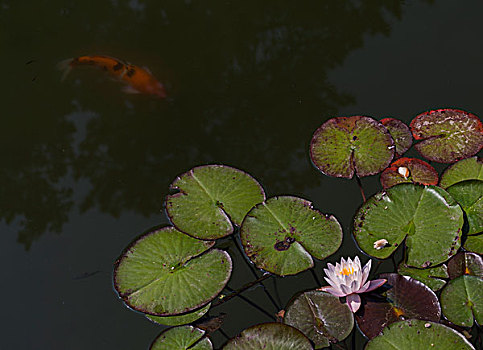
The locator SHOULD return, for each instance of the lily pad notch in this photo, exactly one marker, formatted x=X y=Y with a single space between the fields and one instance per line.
x=210 y=199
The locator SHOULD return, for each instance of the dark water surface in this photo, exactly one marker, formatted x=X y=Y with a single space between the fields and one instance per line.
x=85 y=167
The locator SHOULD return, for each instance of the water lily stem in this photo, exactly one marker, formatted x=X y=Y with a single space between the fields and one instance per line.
x=224 y=334
x=277 y=306
x=359 y=183
x=256 y=306
x=242 y=289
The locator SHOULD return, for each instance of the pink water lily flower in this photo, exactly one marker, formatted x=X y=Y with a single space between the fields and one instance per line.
x=348 y=279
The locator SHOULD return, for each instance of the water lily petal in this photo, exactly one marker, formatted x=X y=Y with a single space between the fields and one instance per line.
x=375 y=284
x=345 y=289
x=333 y=291
x=334 y=285
x=354 y=286
x=354 y=302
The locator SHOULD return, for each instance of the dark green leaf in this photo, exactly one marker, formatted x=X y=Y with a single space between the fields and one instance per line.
x=474 y=244
x=320 y=316
x=210 y=199
x=282 y=234
x=469 y=194
x=180 y=319
x=181 y=338
x=427 y=217
x=465 y=169
x=429 y=276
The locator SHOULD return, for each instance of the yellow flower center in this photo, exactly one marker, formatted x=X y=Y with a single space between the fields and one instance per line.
x=346 y=272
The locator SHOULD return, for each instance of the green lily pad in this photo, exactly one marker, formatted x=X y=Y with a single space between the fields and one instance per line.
x=320 y=316
x=269 y=336
x=282 y=235
x=409 y=170
x=447 y=135
x=179 y=320
x=400 y=133
x=474 y=244
x=432 y=277
x=462 y=300
x=211 y=199
x=419 y=335
x=427 y=217
x=165 y=272
x=182 y=338
x=404 y=298
x=465 y=169
x=344 y=145
x=469 y=194
x=465 y=263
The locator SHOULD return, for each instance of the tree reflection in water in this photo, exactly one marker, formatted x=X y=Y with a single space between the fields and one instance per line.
x=248 y=87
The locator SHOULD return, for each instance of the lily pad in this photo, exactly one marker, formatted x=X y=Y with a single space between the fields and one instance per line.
x=320 y=316
x=427 y=217
x=211 y=199
x=432 y=277
x=269 y=336
x=282 y=235
x=404 y=298
x=474 y=244
x=400 y=133
x=469 y=194
x=165 y=272
x=180 y=319
x=465 y=263
x=447 y=135
x=344 y=145
x=419 y=335
x=182 y=338
x=465 y=169
x=462 y=300
x=409 y=170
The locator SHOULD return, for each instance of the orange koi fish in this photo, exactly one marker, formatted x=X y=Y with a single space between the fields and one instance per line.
x=137 y=79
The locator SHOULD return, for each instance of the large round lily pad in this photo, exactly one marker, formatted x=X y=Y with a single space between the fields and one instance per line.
x=182 y=338
x=419 y=335
x=409 y=170
x=433 y=277
x=465 y=169
x=474 y=244
x=320 y=316
x=403 y=298
x=400 y=133
x=343 y=146
x=469 y=194
x=427 y=217
x=269 y=336
x=462 y=300
x=447 y=135
x=282 y=235
x=211 y=199
x=178 y=320
x=465 y=263
x=166 y=272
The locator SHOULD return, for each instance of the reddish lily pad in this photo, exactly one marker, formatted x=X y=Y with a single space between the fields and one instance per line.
x=426 y=217
x=403 y=139
x=404 y=298
x=433 y=277
x=269 y=336
x=409 y=170
x=320 y=316
x=343 y=146
x=211 y=199
x=465 y=169
x=447 y=135
x=282 y=234
x=465 y=263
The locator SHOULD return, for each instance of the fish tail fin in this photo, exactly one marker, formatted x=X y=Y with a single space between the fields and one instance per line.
x=65 y=67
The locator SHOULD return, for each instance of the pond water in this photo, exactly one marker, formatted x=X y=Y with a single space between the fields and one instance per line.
x=86 y=167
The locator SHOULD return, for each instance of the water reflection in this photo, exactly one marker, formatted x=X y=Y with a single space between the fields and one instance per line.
x=248 y=85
